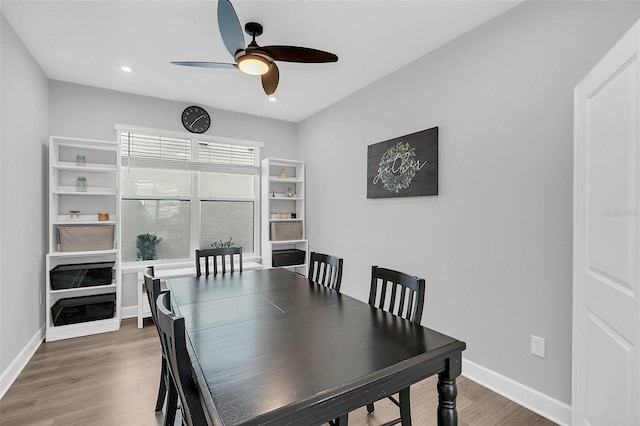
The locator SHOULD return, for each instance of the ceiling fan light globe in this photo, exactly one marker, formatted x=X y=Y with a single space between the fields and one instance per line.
x=253 y=64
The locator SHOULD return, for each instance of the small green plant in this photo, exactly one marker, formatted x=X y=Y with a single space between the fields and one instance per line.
x=221 y=244
x=146 y=245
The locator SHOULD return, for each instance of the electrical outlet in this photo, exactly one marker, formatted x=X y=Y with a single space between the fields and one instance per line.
x=538 y=346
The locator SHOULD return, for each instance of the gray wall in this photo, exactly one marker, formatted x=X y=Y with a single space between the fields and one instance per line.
x=495 y=245
x=88 y=112
x=23 y=189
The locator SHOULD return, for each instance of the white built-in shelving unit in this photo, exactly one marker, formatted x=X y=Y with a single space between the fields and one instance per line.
x=101 y=171
x=281 y=197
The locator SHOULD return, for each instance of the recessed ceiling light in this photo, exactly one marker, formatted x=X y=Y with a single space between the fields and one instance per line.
x=272 y=99
x=126 y=68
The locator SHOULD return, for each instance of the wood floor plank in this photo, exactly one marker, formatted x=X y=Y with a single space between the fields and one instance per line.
x=112 y=379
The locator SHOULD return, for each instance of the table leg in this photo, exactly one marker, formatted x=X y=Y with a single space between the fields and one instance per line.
x=343 y=420
x=448 y=391
x=405 y=407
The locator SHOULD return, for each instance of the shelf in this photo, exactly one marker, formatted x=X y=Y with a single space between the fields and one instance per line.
x=91 y=190
x=288 y=242
x=90 y=167
x=280 y=162
x=285 y=220
x=58 y=332
x=285 y=198
x=96 y=323
x=84 y=290
x=89 y=219
x=277 y=179
x=84 y=222
x=302 y=265
x=83 y=253
x=88 y=144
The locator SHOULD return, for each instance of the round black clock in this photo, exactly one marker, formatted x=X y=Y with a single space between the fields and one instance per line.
x=196 y=119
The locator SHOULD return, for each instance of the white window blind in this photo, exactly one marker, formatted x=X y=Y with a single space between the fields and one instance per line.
x=221 y=157
x=146 y=150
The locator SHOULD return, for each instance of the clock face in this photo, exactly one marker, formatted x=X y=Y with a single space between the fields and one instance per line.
x=196 y=119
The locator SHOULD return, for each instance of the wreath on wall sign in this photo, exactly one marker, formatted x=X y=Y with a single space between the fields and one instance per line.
x=391 y=171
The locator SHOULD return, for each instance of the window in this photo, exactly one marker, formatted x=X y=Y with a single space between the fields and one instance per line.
x=181 y=192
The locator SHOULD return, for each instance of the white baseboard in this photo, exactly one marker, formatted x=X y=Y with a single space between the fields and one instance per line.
x=11 y=373
x=552 y=409
x=129 y=311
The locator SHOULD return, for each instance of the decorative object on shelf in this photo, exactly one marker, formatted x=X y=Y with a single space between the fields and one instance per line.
x=196 y=119
x=81 y=184
x=75 y=215
x=283 y=216
x=146 y=245
x=273 y=195
x=274 y=215
x=73 y=310
x=77 y=275
x=290 y=192
x=103 y=217
x=85 y=238
x=287 y=257
x=293 y=215
x=285 y=231
x=283 y=174
x=221 y=244
x=81 y=160
x=404 y=167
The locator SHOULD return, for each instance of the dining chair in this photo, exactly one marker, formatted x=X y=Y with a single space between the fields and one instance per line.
x=173 y=339
x=213 y=254
x=325 y=270
x=153 y=289
x=402 y=295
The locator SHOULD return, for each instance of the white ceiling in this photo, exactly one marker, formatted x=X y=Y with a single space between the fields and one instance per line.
x=85 y=42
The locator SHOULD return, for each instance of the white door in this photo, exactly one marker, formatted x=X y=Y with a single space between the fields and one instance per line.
x=606 y=270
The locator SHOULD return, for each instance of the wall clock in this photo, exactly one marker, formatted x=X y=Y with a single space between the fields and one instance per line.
x=196 y=119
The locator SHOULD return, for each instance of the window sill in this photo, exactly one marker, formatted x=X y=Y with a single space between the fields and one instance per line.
x=182 y=269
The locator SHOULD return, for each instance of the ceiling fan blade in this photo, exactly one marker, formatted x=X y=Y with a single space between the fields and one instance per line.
x=205 y=64
x=230 y=28
x=270 y=79
x=298 y=54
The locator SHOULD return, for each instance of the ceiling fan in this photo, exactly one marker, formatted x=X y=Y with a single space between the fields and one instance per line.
x=254 y=59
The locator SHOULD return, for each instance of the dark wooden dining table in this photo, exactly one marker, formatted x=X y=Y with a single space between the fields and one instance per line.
x=270 y=348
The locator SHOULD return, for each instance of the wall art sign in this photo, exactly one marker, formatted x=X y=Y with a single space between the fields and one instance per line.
x=404 y=167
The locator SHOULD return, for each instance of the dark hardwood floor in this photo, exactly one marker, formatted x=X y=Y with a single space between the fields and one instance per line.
x=112 y=379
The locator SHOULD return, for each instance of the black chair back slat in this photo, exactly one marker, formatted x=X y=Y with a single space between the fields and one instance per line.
x=392 y=302
x=410 y=302
x=213 y=255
